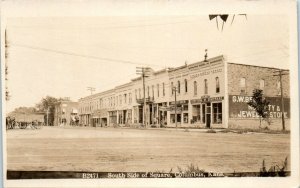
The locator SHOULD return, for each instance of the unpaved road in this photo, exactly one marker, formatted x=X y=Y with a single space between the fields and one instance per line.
x=109 y=149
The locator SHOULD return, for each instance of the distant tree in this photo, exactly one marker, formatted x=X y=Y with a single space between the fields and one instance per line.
x=261 y=105
x=48 y=104
x=25 y=110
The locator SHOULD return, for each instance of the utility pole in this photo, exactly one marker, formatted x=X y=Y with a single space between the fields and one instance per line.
x=280 y=74
x=142 y=71
x=91 y=89
x=174 y=89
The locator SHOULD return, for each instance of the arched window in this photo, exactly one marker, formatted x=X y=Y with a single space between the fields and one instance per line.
x=195 y=87
x=178 y=86
x=261 y=84
x=278 y=88
x=205 y=86
x=243 y=85
x=217 y=85
x=185 y=85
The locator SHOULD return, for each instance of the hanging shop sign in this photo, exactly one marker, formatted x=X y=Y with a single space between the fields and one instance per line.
x=239 y=108
x=207 y=98
x=180 y=102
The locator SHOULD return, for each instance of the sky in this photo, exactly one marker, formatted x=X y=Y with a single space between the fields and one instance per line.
x=61 y=56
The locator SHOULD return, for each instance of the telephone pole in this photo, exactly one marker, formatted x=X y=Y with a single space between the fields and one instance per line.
x=91 y=89
x=143 y=71
x=280 y=74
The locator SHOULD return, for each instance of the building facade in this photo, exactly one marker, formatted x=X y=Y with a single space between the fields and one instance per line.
x=66 y=113
x=212 y=94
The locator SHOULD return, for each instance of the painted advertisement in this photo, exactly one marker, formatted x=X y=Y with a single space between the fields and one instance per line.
x=239 y=108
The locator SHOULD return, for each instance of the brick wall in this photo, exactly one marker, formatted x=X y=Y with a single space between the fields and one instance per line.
x=253 y=74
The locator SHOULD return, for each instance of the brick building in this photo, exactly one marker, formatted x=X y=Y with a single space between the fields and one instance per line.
x=66 y=113
x=212 y=93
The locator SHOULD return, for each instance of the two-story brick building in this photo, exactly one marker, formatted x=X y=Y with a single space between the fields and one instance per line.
x=212 y=93
x=66 y=113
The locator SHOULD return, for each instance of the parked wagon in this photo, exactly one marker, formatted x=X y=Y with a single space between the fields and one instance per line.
x=24 y=120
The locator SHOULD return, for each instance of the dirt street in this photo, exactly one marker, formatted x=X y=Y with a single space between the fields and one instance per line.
x=111 y=149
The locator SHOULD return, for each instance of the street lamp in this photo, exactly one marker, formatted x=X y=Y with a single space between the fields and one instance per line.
x=174 y=89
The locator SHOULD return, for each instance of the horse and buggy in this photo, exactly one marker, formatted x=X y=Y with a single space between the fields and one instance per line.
x=23 y=120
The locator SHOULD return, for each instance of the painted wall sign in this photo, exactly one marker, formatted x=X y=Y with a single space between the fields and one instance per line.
x=238 y=107
x=203 y=73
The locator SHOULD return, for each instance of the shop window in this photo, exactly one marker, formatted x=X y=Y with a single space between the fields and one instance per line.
x=185 y=107
x=261 y=84
x=196 y=114
x=195 y=87
x=205 y=86
x=172 y=118
x=217 y=113
x=178 y=86
x=243 y=85
x=217 y=85
x=185 y=118
x=185 y=85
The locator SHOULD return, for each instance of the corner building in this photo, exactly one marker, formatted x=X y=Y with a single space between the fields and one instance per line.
x=212 y=94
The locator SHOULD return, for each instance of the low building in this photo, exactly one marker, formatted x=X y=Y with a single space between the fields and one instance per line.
x=212 y=93
x=66 y=113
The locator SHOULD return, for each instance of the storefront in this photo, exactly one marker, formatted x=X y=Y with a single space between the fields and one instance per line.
x=207 y=111
x=182 y=112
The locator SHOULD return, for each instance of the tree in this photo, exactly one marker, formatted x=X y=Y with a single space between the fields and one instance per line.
x=48 y=104
x=261 y=105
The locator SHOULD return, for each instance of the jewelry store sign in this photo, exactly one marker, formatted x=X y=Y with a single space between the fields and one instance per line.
x=239 y=108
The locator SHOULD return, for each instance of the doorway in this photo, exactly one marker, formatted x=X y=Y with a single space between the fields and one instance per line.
x=208 y=115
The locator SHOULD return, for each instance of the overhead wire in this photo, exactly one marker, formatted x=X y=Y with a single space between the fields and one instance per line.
x=84 y=56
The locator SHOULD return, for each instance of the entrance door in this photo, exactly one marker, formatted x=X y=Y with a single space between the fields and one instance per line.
x=208 y=116
x=208 y=120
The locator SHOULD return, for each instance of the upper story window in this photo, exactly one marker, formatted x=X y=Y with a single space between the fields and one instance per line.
x=261 y=84
x=148 y=91
x=172 y=85
x=153 y=91
x=243 y=85
x=278 y=88
x=164 y=89
x=157 y=88
x=125 y=98
x=129 y=98
x=195 y=87
x=205 y=86
x=139 y=93
x=135 y=93
x=178 y=86
x=185 y=85
x=120 y=98
x=217 y=85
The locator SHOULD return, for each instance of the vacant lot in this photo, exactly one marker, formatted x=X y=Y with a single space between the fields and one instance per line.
x=109 y=149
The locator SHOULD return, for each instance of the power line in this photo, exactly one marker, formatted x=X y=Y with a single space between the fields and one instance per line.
x=84 y=56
